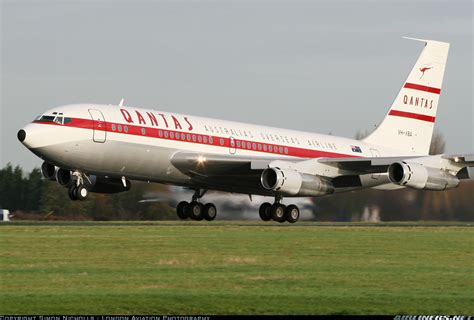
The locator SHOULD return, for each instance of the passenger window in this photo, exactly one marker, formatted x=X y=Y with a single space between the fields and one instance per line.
x=221 y=141
x=120 y=128
x=238 y=143
x=114 y=127
x=211 y=140
x=160 y=133
x=183 y=136
x=286 y=150
x=281 y=149
x=166 y=134
x=188 y=137
x=172 y=135
x=254 y=146
x=143 y=131
x=199 y=139
x=125 y=129
x=204 y=139
x=249 y=145
x=194 y=137
x=264 y=147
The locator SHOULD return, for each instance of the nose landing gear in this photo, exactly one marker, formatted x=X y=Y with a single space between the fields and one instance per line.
x=77 y=190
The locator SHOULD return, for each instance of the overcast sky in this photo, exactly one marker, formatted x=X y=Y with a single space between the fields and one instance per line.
x=327 y=67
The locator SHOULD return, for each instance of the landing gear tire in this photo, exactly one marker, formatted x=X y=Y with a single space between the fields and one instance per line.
x=209 y=212
x=81 y=192
x=182 y=210
x=265 y=211
x=195 y=211
x=292 y=213
x=72 y=193
x=278 y=212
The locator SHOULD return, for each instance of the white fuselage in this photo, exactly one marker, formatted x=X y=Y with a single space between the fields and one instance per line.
x=120 y=141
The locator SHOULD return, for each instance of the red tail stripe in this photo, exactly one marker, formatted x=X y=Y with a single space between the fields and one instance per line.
x=410 y=115
x=422 y=88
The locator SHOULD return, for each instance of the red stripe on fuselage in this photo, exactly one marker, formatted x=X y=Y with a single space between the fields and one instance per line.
x=422 y=88
x=410 y=115
x=196 y=138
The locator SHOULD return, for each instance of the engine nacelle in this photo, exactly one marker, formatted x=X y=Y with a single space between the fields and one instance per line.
x=416 y=176
x=106 y=185
x=49 y=171
x=64 y=177
x=292 y=183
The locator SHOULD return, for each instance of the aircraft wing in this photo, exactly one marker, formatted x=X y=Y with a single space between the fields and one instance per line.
x=206 y=165
x=363 y=165
x=194 y=164
x=465 y=160
x=381 y=164
x=242 y=174
x=223 y=172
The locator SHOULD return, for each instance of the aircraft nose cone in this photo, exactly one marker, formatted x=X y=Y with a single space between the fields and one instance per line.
x=21 y=135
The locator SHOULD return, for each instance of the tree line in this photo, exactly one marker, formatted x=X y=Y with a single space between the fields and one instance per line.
x=29 y=196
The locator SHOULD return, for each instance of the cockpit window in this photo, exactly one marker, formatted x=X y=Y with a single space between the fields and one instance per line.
x=56 y=118
x=46 y=118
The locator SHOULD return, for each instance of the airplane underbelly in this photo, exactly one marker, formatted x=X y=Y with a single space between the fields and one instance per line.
x=116 y=158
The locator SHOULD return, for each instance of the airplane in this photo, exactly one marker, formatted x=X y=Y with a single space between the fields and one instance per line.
x=101 y=148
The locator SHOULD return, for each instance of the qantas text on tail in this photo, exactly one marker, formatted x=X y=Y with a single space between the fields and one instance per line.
x=100 y=148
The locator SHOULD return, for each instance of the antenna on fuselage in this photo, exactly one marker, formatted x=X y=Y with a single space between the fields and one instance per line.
x=121 y=102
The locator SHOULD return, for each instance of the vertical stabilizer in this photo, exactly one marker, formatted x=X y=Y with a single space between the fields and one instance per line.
x=408 y=125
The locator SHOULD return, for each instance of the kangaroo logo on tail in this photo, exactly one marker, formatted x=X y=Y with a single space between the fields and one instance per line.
x=423 y=71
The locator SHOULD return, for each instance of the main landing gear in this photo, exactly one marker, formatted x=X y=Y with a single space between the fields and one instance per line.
x=77 y=190
x=279 y=212
x=196 y=210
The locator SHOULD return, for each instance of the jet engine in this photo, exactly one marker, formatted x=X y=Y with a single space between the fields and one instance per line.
x=49 y=171
x=293 y=183
x=64 y=177
x=416 y=176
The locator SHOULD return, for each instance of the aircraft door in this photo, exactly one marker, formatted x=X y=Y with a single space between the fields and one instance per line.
x=375 y=154
x=232 y=147
x=99 y=126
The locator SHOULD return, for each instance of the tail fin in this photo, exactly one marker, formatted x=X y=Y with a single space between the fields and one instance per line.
x=408 y=125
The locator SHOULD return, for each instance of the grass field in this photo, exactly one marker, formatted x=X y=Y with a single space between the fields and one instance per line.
x=235 y=268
